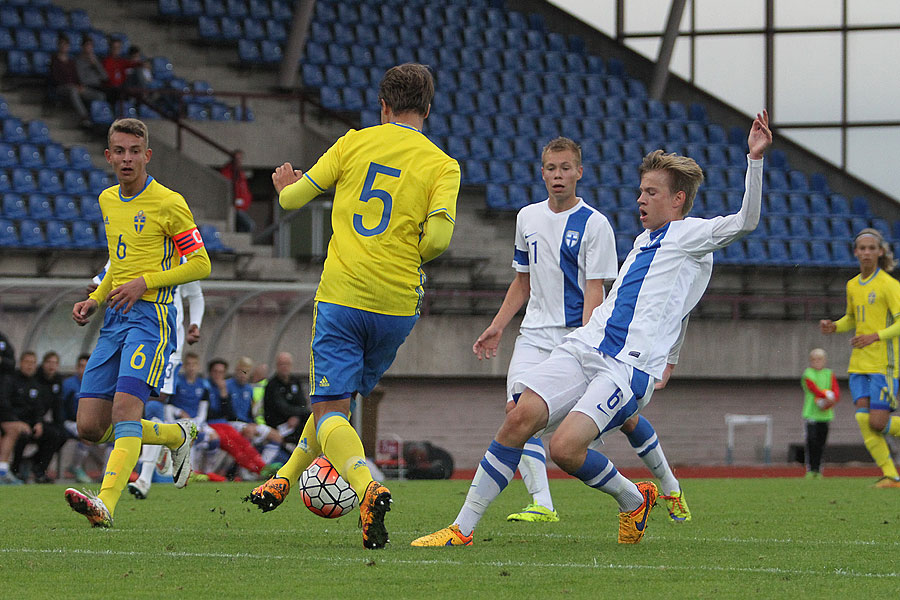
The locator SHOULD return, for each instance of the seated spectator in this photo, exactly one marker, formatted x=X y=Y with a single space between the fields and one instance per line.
x=240 y=391
x=66 y=83
x=234 y=172
x=29 y=398
x=285 y=404
x=9 y=430
x=116 y=67
x=259 y=379
x=219 y=415
x=71 y=386
x=90 y=71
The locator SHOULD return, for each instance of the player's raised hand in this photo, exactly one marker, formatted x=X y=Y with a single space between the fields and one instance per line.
x=284 y=176
x=827 y=326
x=487 y=343
x=124 y=296
x=193 y=334
x=760 y=136
x=82 y=311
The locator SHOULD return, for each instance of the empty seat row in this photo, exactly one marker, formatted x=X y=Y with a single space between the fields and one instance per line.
x=42 y=206
x=817 y=253
x=261 y=9
x=43 y=17
x=53 y=181
x=434 y=14
x=233 y=29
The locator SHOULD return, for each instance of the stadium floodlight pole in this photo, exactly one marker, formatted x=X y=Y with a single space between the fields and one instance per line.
x=293 y=48
x=661 y=71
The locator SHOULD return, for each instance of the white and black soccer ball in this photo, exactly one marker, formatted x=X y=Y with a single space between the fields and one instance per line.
x=325 y=492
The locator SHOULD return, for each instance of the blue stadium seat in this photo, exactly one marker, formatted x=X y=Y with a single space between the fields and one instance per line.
x=461 y=125
x=538 y=192
x=209 y=28
x=839 y=205
x=479 y=149
x=609 y=175
x=857 y=224
x=248 y=52
x=799 y=253
x=90 y=206
x=737 y=156
x=616 y=87
x=13 y=131
x=675 y=132
x=715 y=134
x=7 y=41
x=714 y=202
x=30 y=156
x=270 y=52
x=457 y=147
x=697 y=152
x=74 y=182
x=819 y=229
x=9 y=237
x=31 y=235
x=353 y=99
x=841 y=254
x=79 y=157
x=524 y=172
x=697 y=112
x=496 y=197
x=14 y=206
x=8 y=157
x=626 y=198
x=882 y=226
x=776 y=181
x=474 y=172
x=756 y=251
x=799 y=227
x=236 y=8
x=99 y=180
x=65 y=208
x=613 y=130
x=26 y=40
x=819 y=183
x=548 y=128
x=716 y=178
x=22 y=181
x=634 y=131
x=818 y=204
x=798 y=181
x=654 y=132
x=570 y=127
x=776 y=204
x=502 y=149
x=48 y=182
x=231 y=28
x=499 y=172
x=58 y=234
x=778 y=227
x=197 y=111
x=626 y=222
x=797 y=204
x=696 y=133
x=860 y=206
x=212 y=239
x=778 y=252
x=716 y=155
x=624 y=244
x=525 y=127
x=56 y=17
x=820 y=254
x=596 y=86
x=101 y=112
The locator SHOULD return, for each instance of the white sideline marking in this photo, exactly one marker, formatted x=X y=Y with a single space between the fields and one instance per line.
x=490 y=563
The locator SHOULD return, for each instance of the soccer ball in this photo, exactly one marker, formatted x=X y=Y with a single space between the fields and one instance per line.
x=325 y=492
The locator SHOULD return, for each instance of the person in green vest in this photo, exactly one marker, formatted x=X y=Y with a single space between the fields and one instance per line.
x=821 y=393
x=260 y=381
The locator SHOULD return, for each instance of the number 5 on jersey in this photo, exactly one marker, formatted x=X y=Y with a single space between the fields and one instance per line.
x=369 y=191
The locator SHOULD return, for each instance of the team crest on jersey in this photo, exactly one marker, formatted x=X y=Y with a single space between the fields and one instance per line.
x=871 y=298
x=571 y=238
x=139 y=221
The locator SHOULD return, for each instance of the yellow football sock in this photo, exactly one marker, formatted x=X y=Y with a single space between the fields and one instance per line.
x=893 y=427
x=165 y=434
x=342 y=446
x=877 y=446
x=107 y=437
x=122 y=460
x=307 y=450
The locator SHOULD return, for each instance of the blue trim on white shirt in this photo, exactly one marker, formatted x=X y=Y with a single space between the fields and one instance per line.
x=570 y=245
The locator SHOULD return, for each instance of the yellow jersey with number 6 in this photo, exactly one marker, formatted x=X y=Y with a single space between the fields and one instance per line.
x=147 y=233
x=389 y=179
x=872 y=305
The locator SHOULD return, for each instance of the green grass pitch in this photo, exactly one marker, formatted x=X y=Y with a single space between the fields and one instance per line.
x=750 y=538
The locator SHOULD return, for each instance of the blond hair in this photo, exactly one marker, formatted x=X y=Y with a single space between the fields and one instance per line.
x=685 y=175
x=134 y=127
x=818 y=353
x=561 y=144
x=886 y=260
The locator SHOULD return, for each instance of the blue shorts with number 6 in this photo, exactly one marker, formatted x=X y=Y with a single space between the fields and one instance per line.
x=874 y=386
x=351 y=349
x=137 y=344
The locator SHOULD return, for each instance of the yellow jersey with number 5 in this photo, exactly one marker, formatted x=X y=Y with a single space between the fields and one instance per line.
x=147 y=233
x=872 y=305
x=389 y=179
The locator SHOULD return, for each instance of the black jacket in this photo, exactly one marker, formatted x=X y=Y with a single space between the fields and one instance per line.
x=283 y=400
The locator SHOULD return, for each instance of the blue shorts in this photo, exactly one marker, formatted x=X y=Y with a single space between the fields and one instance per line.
x=874 y=386
x=351 y=349
x=136 y=345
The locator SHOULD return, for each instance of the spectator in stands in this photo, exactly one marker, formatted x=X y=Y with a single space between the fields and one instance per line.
x=240 y=391
x=116 y=67
x=70 y=388
x=285 y=404
x=7 y=360
x=820 y=394
x=234 y=172
x=66 y=83
x=259 y=379
x=220 y=415
x=8 y=427
x=139 y=81
x=53 y=435
x=90 y=71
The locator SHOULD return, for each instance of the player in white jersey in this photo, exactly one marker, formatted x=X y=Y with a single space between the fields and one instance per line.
x=158 y=457
x=564 y=250
x=604 y=372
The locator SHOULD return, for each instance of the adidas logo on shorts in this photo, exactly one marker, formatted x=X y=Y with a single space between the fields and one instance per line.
x=323 y=382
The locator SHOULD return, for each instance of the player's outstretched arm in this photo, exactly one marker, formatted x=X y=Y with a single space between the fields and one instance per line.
x=487 y=343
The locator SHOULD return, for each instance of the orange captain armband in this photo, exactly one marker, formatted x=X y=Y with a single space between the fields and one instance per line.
x=188 y=241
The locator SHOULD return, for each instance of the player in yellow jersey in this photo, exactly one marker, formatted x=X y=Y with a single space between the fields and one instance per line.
x=148 y=228
x=394 y=209
x=873 y=312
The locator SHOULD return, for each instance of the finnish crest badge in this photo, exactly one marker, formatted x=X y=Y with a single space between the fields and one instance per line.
x=139 y=220
x=571 y=238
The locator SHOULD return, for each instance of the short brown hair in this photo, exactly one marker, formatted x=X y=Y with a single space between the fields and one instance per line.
x=685 y=175
x=561 y=144
x=130 y=126
x=407 y=88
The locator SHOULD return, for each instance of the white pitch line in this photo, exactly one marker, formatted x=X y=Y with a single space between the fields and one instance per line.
x=595 y=564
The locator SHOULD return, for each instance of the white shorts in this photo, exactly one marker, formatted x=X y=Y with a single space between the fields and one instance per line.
x=533 y=346
x=578 y=378
x=172 y=369
x=261 y=431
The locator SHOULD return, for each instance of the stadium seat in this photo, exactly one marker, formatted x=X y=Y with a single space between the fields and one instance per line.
x=778 y=252
x=248 y=52
x=756 y=251
x=820 y=254
x=58 y=234
x=22 y=181
x=798 y=227
x=269 y=52
x=74 y=182
x=14 y=206
x=857 y=224
x=733 y=253
x=9 y=237
x=212 y=239
x=79 y=157
x=797 y=204
x=624 y=244
x=841 y=254
x=839 y=205
x=778 y=227
x=30 y=234
x=819 y=228
x=26 y=40
x=13 y=131
x=101 y=112
x=48 y=181
x=98 y=181
x=496 y=197
x=776 y=204
x=54 y=156
x=799 y=253
x=860 y=207
x=474 y=172
x=819 y=183
x=798 y=181
x=818 y=204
